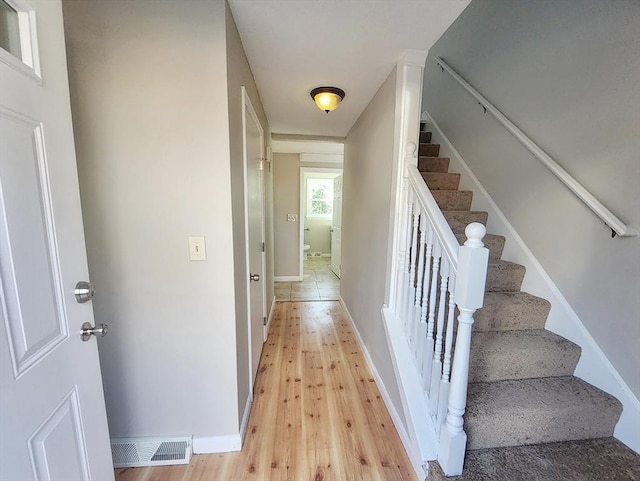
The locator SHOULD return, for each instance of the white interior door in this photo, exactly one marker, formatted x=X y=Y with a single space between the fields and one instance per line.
x=52 y=412
x=336 y=227
x=254 y=196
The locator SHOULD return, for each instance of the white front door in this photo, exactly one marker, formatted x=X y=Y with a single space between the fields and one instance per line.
x=336 y=227
x=254 y=197
x=53 y=423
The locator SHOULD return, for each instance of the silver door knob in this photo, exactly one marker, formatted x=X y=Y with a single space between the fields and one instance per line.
x=88 y=330
x=254 y=277
x=84 y=291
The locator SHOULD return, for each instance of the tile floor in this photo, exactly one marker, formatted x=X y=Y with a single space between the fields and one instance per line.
x=319 y=284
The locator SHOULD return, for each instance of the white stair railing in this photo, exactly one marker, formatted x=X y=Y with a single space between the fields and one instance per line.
x=436 y=276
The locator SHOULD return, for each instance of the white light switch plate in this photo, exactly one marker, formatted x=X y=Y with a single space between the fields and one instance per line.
x=197 y=249
x=292 y=217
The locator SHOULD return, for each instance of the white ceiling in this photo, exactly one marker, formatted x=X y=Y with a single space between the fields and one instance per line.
x=296 y=45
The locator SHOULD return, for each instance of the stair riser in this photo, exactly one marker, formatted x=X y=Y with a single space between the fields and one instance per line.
x=458 y=220
x=515 y=413
x=441 y=181
x=429 y=150
x=433 y=164
x=510 y=311
x=453 y=199
x=425 y=137
x=504 y=278
x=499 y=356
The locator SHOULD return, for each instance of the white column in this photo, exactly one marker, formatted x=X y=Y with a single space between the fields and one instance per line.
x=409 y=72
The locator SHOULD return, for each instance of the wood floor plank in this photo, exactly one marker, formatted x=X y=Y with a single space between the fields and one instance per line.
x=317 y=414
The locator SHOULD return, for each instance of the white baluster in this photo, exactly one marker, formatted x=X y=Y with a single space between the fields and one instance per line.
x=422 y=331
x=428 y=355
x=405 y=263
x=470 y=282
x=403 y=243
x=418 y=298
x=436 y=368
x=411 y=292
x=446 y=366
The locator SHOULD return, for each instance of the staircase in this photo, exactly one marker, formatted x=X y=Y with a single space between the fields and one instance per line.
x=527 y=416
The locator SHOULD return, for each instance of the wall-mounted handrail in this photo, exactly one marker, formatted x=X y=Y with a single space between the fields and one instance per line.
x=616 y=225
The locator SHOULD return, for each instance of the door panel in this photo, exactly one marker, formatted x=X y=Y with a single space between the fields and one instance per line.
x=60 y=438
x=336 y=227
x=36 y=324
x=50 y=380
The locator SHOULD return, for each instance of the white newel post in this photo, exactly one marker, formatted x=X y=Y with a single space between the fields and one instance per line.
x=469 y=296
x=409 y=73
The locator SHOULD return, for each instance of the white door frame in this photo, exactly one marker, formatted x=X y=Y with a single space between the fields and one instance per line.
x=247 y=106
x=306 y=172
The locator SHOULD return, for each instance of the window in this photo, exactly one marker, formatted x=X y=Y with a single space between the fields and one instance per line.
x=320 y=198
x=9 y=30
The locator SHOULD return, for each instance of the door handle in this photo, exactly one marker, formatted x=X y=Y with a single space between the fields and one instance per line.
x=254 y=277
x=84 y=291
x=88 y=330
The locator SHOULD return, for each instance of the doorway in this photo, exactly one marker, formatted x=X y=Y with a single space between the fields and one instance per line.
x=255 y=233
x=317 y=244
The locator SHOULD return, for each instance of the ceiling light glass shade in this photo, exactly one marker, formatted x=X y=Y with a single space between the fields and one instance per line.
x=327 y=98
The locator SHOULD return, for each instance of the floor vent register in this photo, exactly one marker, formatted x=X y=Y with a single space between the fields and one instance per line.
x=136 y=452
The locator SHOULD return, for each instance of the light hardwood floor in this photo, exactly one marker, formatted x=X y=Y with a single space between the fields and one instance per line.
x=317 y=413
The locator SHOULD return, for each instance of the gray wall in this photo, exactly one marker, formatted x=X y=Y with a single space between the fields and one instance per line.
x=149 y=102
x=318 y=236
x=368 y=163
x=238 y=75
x=286 y=200
x=567 y=74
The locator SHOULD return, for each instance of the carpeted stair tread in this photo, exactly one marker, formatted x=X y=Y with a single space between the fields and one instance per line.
x=459 y=219
x=507 y=311
x=433 y=164
x=504 y=276
x=583 y=460
x=453 y=199
x=493 y=242
x=430 y=150
x=425 y=137
x=533 y=411
x=502 y=355
x=441 y=180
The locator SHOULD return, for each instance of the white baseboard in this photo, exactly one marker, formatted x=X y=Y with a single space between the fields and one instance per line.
x=217 y=444
x=245 y=420
x=287 y=279
x=594 y=367
x=269 y=317
x=416 y=462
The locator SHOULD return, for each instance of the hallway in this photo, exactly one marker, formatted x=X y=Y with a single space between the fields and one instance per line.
x=317 y=413
x=319 y=283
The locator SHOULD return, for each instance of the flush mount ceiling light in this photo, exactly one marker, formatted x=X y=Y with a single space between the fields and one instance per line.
x=327 y=98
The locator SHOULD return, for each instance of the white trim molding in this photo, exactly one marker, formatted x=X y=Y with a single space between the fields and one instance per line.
x=269 y=317
x=245 y=420
x=217 y=444
x=287 y=279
